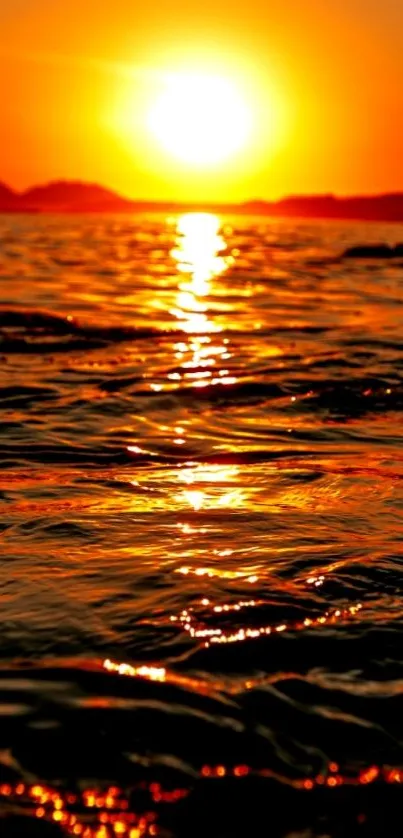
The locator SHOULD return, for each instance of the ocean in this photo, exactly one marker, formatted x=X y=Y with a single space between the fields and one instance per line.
x=201 y=530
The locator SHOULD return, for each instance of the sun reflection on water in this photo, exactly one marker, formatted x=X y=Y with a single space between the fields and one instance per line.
x=200 y=254
x=219 y=495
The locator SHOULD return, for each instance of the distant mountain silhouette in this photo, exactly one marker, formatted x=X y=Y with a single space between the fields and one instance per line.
x=76 y=196
x=8 y=199
x=368 y=207
x=5 y=192
x=66 y=195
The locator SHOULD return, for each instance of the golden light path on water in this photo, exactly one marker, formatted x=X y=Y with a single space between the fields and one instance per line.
x=201 y=257
x=198 y=254
x=201 y=357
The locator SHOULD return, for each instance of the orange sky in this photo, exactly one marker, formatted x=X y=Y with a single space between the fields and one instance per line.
x=78 y=76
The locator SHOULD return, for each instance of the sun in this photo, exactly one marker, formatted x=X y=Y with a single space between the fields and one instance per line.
x=201 y=120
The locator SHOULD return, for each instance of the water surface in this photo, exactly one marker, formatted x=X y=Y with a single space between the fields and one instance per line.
x=201 y=539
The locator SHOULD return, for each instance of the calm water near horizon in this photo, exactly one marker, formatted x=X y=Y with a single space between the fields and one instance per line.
x=201 y=529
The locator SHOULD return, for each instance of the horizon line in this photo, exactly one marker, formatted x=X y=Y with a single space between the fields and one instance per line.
x=65 y=181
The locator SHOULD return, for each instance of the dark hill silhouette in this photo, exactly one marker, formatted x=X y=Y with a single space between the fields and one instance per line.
x=64 y=194
x=8 y=199
x=77 y=196
x=368 y=208
x=6 y=193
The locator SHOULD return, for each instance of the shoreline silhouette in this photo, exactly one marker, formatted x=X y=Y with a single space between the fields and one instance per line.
x=66 y=196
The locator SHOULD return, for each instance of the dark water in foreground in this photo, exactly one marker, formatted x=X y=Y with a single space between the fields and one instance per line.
x=201 y=529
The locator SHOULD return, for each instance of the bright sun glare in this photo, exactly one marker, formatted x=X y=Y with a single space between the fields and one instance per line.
x=200 y=119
